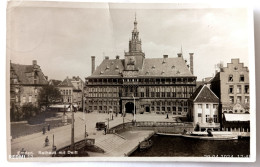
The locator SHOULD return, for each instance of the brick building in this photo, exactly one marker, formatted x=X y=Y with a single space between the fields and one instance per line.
x=72 y=90
x=151 y=85
x=25 y=83
x=231 y=85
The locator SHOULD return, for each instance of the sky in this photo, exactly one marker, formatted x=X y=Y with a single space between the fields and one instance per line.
x=62 y=37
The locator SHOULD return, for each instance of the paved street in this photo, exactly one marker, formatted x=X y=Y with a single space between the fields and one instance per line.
x=62 y=135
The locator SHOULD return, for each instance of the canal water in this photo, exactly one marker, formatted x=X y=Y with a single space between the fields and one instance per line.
x=165 y=146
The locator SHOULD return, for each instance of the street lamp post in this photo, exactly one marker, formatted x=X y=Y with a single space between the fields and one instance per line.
x=134 y=107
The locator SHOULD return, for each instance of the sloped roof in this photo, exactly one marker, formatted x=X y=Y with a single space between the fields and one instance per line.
x=55 y=82
x=168 y=67
x=66 y=83
x=216 y=78
x=237 y=117
x=204 y=94
x=23 y=73
x=165 y=67
x=108 y=68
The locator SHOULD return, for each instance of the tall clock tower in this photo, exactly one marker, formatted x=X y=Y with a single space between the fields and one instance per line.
x=134 y=57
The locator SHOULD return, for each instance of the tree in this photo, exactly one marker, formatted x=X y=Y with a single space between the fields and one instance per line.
x=49 y=95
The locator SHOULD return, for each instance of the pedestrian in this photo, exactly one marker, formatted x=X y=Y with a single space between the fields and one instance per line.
x=43 y=130
x=46 y=141
x=112 y=117
x=105 y=130
x=116 y=114
x=49 y=127
x=167 y=116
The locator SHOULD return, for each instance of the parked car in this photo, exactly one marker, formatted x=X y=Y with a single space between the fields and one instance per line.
x=100 y=125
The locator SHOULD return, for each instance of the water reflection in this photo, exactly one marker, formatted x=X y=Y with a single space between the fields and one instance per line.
x=164 y=146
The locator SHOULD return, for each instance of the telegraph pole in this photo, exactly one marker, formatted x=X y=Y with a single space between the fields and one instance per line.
x=134 y=107
x=72 y=127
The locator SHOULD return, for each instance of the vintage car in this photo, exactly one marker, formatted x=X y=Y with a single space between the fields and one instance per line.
x=100 y=125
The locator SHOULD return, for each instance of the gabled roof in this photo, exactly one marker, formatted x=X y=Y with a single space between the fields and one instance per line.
x=55 y=82
x=204 y=94
x=25 y=73
x=66 y=83
x=168 y=67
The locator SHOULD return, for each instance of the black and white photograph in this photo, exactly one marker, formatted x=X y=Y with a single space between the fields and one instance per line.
x=130 y=82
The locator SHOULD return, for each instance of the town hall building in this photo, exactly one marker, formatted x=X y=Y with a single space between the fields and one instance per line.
x=145 y=85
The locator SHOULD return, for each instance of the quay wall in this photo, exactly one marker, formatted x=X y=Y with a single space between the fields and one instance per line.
x=157 y=127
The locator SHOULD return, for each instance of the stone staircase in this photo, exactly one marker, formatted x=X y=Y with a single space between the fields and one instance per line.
x=110 y=143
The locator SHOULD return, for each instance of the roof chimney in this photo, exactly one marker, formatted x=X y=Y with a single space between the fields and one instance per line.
x=191 y=62
x=165 y=56
x=117 y=57
x=107 y=58
x=34 y=62
x=93 y=64
x=179 y=54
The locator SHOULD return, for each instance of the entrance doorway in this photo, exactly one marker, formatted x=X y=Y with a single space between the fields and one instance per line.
x=129 y=108
x=147 y=109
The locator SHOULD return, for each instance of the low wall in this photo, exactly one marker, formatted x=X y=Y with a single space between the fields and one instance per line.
x=157 y=127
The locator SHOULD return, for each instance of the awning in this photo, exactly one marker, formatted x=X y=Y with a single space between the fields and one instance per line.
x=237 y=117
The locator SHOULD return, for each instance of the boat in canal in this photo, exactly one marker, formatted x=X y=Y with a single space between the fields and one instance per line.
x=211 y=135
x=144 y=145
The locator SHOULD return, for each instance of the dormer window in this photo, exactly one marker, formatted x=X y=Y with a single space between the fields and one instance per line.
x=164 y=61
x=147 y=73
x=162 y=72
x=178 y=72
x=117 y=67
x=173 y=67
x=101 y=72
x=153 y=67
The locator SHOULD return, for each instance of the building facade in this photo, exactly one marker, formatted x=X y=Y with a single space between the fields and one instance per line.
x=231 y=85
x=72 y=90
x=204 y=110
x=25 y=83
x=154 y=85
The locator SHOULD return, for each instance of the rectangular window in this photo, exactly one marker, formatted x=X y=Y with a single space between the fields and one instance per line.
x=238 y=88
x=215 y=106
x=157 y=94
x=157 y=108
x=239 y=99
x=147 y=92
x=100 y=107
x=179 y=109
x=215 y=118
x=207 y=105
x=231 y=99
x=163 y=94
x=152 y=94
x=95 y=107
x=199 y=105
x=168 y=94
x=168 y=109
x=242 y=78
x=163 y=108
x=207 y=118
x=230 y=90
x=246 y=99
x=152 y=108
x=142 y=94
x=230 y=78
x=199 y=114
x=246 y=88
x=174 y=109
x=30 y=99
